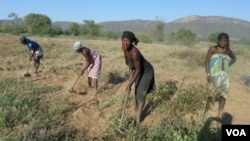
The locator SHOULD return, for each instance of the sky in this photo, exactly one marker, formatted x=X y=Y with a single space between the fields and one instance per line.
x=122 y=10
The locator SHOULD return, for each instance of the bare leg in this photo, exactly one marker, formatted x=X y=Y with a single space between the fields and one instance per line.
x=89 y=81
x=135 y=111
x=139 y=111
x=96 y=86
x=222 y=102
x=36 y=65
x=136 y=106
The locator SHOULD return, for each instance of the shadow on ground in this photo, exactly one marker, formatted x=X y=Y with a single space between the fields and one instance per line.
x=211 y=131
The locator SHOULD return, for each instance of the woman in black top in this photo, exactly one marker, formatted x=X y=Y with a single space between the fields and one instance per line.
x=141 y=72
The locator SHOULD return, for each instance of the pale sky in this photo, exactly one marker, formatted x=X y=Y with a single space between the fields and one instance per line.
x=121 y=10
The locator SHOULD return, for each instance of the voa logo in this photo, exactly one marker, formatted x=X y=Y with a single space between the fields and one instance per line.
x=236 y=132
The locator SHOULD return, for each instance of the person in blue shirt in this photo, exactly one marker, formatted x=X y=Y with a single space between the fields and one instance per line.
x=36 y=51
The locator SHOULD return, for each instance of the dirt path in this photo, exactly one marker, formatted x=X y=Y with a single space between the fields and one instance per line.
x=237 y=105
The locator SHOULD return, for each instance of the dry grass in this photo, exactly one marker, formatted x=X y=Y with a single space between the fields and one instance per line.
x=61 y=66
x=170 y=62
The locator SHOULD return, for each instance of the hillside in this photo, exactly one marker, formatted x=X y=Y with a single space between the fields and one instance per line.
x=204 y=26
x=200 y=25
x=144 y=26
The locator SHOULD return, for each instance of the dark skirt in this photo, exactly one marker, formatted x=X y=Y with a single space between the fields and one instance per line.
x=144 y=85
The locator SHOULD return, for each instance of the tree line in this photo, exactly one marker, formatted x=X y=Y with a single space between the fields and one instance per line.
x=39 y=24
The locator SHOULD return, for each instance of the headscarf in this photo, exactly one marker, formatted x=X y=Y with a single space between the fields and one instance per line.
x=131 y=36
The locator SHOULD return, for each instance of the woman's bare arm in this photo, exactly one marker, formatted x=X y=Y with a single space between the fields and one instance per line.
x=137 y=65
x=87 y=56
x=233 y=57
x=209 y=54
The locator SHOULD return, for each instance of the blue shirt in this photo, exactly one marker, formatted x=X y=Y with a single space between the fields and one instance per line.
x=32 y=45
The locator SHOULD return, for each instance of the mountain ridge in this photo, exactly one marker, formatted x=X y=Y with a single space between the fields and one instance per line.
x=202 y=26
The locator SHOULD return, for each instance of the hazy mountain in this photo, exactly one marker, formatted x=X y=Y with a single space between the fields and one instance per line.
x=204 y=26
x=17 y=21
x=200 y=25
x=145 y=26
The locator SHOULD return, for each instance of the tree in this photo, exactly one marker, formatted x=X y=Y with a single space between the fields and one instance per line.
x=157 y=32
x=37 y=23
x=183 y=36
x=13 y=15
x=143 y=37
x=74 y=29
x=6 y=28
x=90 y=28
x=213 y=37
x=111 y=35
x=15 y=27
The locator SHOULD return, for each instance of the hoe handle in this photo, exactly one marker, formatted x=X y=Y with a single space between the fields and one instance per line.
x=124 y=108
x=76 y=82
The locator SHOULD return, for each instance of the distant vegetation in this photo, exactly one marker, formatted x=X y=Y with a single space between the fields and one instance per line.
x=38 y=24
